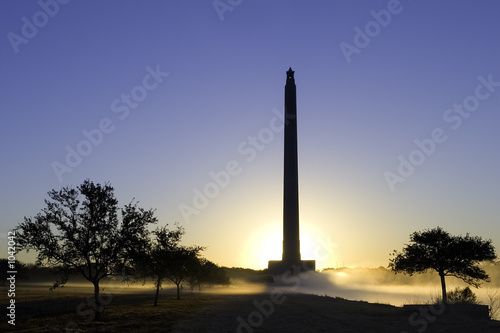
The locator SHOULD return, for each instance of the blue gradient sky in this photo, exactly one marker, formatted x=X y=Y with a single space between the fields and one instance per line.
x=225 y=79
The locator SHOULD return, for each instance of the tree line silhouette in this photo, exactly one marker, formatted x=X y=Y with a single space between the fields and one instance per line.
x=82 y=231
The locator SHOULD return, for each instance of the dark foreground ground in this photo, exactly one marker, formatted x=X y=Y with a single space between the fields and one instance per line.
x=205 y=312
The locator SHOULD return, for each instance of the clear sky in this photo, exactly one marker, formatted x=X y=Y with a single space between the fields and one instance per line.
x=398 y=117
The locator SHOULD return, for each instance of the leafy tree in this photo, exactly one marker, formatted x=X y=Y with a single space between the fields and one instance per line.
x=164 y=258
x=436 y=249
x=154 y=260
x=79 y=231
x=213 y=274
x=207 y=272
x=182 y=261
x=196 y=274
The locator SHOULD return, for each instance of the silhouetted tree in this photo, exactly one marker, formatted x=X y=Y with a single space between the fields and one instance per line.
x=207 y=272
x=154 y=260
x=196 y=274
x=79 y=231
x=456 y=256
x=182 y=261
x=213 y=274
x=165 y=258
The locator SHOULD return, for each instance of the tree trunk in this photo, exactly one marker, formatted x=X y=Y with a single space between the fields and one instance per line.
x=158 y=285
x=178 y=290
x=443 y=288
x=98 y=306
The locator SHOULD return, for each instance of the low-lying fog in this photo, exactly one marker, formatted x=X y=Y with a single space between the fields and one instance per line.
x=366 y=288
x=379 y=285
x=375 y=285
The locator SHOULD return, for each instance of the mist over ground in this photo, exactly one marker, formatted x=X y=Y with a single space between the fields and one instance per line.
x=376 y=285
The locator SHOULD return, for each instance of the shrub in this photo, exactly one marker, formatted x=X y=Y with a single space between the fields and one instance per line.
x=462 y=296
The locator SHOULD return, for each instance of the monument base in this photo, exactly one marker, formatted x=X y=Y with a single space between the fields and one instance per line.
x=278 y=267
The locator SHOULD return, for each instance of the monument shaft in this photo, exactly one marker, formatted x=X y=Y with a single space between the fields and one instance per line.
x=291 y=240
x=291 y=260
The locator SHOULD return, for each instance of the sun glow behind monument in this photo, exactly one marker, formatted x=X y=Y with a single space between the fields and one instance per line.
x=266 y=242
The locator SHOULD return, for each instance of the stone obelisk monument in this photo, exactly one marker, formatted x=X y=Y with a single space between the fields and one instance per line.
x=291 y=260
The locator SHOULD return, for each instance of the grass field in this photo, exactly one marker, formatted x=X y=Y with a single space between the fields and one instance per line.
x=131 y=310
